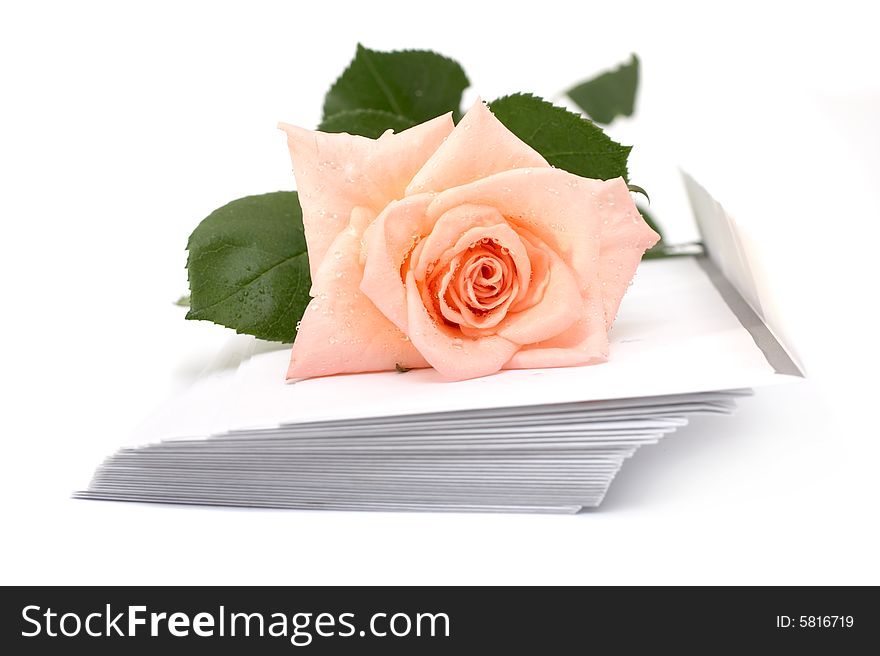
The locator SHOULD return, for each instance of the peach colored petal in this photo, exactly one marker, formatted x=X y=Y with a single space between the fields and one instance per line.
x=487 y=280
x=454 y=357
x=450 y=313
x=438 y=252
x=448 y=229
x=556 y=206
x=539 y=261
x=479 y=146
x=341 y=330
x=337 y=172
x=560 y=306
x=461 y=313
x=585 y=342
x=593 y=224
x=505 y=237
x=387 y=242
x=624 y=239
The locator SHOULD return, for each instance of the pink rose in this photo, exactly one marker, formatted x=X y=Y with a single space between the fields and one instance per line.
x=459 y=248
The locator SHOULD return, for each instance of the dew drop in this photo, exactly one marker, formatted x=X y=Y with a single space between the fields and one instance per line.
x=457 y=343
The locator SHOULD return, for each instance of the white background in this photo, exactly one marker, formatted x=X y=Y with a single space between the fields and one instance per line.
x=122 y=125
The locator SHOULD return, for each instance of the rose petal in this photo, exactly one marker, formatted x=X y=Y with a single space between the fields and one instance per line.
x=448 y=229
x=450 y=313
x=554 y=205
x=479 y=146
x=454 y=357
x=624 y=239
x=337 y=172
x=461 y=313
x=585 y=342
x=457 y=229
x=592 y=224
x=341 y=330
x=387 y=242
x=487 y=293
x=560 y=305
x=539 y=261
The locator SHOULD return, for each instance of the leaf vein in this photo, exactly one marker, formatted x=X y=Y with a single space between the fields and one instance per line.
x=240 y=286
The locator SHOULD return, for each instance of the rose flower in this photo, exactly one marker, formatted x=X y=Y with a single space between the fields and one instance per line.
x=458 y=248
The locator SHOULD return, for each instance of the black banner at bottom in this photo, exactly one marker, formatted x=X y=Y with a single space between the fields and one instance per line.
x=426 y=620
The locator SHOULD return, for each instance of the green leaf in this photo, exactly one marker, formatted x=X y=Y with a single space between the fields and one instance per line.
x=248 y=266
x=183 y=301
x=611 y=94
x=566 y=140
x=414 y=84
x=365 y=122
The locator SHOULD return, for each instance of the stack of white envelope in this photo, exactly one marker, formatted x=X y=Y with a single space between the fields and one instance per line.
x=528 y=459
x=689 y=338
x=543 y=440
